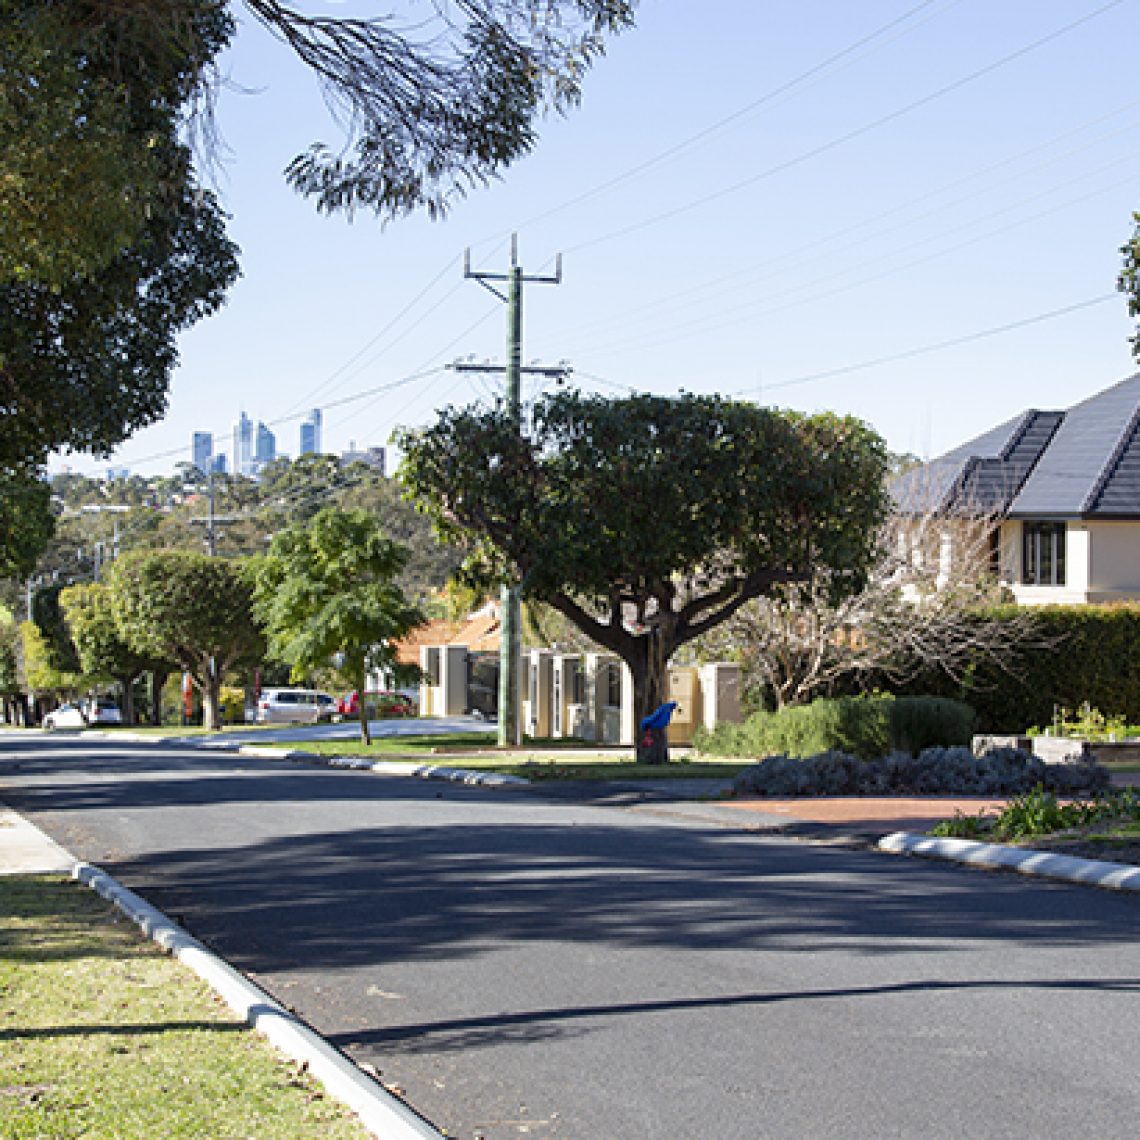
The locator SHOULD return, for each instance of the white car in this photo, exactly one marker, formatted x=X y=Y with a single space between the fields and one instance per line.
x=292 y=706
x=102 y=711
x=66 y=716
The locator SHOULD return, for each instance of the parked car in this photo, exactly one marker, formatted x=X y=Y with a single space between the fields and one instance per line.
x=102 y=711
x=378 y=703
x=69 y=715
x=295 y=706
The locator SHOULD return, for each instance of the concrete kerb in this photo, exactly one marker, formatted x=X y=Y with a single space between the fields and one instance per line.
x=382 y=1113
x=384 y=767
x=995 y=856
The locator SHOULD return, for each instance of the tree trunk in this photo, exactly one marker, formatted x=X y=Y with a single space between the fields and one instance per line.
x=361 y=712
x=650 y=684
x=157 y=684
x=127 y=684
x=211 y=696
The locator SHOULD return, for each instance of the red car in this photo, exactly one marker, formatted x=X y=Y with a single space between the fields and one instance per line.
x=379 y=704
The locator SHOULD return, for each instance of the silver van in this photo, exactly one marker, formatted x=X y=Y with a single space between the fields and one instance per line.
x=295 y=706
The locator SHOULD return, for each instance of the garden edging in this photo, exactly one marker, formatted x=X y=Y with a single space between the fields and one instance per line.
x=996 y=856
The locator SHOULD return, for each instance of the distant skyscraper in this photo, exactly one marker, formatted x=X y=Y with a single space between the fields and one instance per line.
x=203 y=450
x=373 y=456
x=266 y=449
x=311 y=434
x=243 y=446
x=219 y=463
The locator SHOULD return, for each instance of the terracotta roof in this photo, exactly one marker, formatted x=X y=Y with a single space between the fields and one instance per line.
x=480 y=633
x=438 y=632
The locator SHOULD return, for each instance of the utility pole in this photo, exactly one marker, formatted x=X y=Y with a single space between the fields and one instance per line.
x=213 y=521
x=509 y=645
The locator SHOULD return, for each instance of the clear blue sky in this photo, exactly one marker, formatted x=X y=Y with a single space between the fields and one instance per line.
x=737 y=214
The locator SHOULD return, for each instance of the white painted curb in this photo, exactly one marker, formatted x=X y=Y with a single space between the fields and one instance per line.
x=1047 y=864
x=385 y=767
x=382 y=1113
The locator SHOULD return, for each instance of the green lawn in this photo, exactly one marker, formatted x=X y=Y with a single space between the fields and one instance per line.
x=542 y=762
x=103 y=1035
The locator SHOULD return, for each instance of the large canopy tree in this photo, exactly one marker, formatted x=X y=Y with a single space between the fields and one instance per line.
x=648 y=521
x=27 y=522
x=328 y=587
x=188 y=608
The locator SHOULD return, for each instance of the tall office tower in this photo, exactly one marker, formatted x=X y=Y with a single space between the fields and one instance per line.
x=243 y=446
x=311 y=434
x=266 y=449
x=203 y=450
x=219 y=463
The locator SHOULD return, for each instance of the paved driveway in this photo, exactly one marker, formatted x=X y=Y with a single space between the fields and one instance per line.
x=523 y=965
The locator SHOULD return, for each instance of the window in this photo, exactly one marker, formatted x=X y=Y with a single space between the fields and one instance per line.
x=613 y=685
x=577 y=684
x=1043 y=554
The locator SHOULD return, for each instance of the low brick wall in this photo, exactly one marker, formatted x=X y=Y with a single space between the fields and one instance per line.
x=1063 y=749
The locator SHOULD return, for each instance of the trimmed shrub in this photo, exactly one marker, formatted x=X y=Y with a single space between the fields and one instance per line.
x=865 y=727
x=941 y=771
x=929 y=722
x=855 y=725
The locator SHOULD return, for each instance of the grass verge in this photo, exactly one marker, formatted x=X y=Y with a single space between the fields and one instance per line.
x=104 y=1035
x=478 y=751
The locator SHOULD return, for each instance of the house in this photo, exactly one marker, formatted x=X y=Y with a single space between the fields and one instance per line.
x=1060 y=491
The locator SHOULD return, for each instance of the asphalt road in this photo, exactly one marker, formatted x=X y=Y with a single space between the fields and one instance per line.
x=524 y=965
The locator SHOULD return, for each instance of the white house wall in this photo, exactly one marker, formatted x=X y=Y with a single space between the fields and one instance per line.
x=1114 y=549
x=1102 y=564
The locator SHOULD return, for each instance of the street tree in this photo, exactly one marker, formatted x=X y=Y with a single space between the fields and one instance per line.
x=327 y=588
x=41 y=671
x=648 y=521
x=101 y=647
x=47 y=614
x=191 y=609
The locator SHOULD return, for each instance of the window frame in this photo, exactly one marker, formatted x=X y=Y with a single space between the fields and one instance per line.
x=1043 y=544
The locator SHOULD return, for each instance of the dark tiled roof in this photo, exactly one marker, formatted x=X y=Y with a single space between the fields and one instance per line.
x=1084 y=462
x=1080 y=456
x=989 y=484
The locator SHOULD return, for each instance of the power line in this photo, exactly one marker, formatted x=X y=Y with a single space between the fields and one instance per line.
x=849 y=136
x=954 y=342
x=827 y=242
x=753 y=310
x=714 y=128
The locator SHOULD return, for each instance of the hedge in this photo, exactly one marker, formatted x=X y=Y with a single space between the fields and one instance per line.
x=1077 y=654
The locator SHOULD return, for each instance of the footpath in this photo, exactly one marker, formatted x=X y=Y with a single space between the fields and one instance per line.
x=895 y=825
